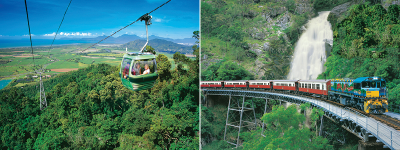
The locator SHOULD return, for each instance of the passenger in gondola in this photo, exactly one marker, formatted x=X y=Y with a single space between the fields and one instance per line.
x=136 y=70
x=126 y=71
x=147 y=69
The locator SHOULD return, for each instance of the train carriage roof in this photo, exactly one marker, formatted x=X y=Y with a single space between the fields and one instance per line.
x=285 y=80
x=237 y=81
x=211 y=81
x=318 y=81
x=260 y=80
x=360 y=79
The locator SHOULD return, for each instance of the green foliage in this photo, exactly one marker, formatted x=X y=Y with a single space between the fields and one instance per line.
x=91 y=109
x=226 y=71
x=291 y=5
x=284 y=131
x=150 y=49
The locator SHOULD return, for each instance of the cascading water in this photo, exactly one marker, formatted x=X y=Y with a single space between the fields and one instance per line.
x=309 y=54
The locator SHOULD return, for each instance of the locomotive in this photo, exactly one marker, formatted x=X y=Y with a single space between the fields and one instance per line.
x=364 y=93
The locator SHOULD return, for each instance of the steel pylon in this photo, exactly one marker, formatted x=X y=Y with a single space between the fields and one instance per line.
x=237 y=109
x=43 y=102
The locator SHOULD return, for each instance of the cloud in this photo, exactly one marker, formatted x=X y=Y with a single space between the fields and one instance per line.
x=157 y=20
x=1 y=35
x=70 y=34
x=28 y=35
x=53 y=34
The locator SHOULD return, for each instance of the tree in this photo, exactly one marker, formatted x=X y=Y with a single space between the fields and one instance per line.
x=284 y=130
x=150 y=49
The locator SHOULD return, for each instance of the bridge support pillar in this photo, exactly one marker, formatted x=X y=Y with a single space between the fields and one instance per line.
x=265 y=111
x=237 y=109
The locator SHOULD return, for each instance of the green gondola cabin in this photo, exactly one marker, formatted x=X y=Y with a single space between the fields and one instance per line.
x=133 y=71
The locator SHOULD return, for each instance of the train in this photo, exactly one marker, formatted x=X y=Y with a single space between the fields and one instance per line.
x=368 y=94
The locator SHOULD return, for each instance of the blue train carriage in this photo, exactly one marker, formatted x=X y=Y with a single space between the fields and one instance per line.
x=373 y=92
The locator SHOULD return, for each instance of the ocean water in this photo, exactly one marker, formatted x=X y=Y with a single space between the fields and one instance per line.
x=7 y=43
x=4 y=83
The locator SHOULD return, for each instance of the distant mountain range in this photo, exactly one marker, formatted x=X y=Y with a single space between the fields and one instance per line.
x=160 y=45
x=125 y=38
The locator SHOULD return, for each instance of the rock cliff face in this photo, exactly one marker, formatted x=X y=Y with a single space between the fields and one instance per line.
x=387 y=3
x=303 y=6
x=275 y=20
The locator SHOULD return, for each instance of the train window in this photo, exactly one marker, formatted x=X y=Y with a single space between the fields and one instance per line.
x=318 y=86
x=383 y=84
x=357 y=86
x=309 y=86
x=323 y=86
x=365 y=84
x=373 y=84
x=378 y=84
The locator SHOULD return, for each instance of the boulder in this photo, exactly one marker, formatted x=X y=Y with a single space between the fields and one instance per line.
x=266 y=46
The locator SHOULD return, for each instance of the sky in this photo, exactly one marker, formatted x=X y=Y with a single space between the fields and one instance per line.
x=91 y=18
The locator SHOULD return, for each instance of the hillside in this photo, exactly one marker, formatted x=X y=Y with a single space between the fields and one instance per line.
x=90 y=108
x=159 y=45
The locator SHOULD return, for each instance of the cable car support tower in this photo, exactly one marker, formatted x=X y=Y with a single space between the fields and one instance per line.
x=43 y=102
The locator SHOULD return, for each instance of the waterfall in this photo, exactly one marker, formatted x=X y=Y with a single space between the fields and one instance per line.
x=309 y=54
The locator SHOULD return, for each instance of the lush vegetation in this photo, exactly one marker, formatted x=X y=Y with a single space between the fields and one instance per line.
x=90 y=109
x=285 y=130
x=226 y=70
x=366 y=43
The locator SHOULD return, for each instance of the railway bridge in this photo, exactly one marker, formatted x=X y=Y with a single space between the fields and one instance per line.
x=366 y=128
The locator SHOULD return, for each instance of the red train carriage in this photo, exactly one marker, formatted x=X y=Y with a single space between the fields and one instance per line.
x=288 y=85
x=211 y=84
x=265 y=84
x=320 y=87
x=236 y=84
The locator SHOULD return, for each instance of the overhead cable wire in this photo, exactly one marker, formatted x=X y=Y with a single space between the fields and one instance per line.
x=48 y=52
x=30 y=37
x=121 y=29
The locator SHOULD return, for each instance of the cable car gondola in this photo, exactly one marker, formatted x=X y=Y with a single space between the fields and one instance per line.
x=139 y=69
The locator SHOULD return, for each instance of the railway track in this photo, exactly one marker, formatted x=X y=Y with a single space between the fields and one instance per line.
x=389 y=121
